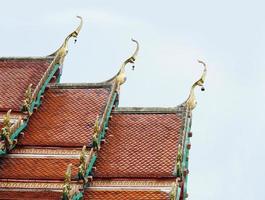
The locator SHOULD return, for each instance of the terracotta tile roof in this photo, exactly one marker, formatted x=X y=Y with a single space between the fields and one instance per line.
x=16 y=76
x=125 y=194
x=66 y=117
x=36 y=168
x=25 y=195
x=140 y=145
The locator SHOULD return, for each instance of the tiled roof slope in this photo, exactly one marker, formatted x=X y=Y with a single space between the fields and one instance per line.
x=66 y=116
x=27 y=195
x=125 y=194
x=141 y=144
x=16 y=75
x=36 y=168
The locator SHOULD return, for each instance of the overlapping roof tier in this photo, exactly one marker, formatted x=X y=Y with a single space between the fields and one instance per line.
x=73 y=141
x=70 y=111
x=141 y=143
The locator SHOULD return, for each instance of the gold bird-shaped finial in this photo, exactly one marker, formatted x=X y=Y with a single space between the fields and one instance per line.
x=121 y=76
x=191 y=101
x=63 y=50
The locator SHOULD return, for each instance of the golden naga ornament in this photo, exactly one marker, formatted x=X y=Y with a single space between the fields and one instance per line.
x=63 y=50
x=191 y=101
x=179 y=171
x=28 y=100
x=67 y=182
x=82 y=164
x=6 y=131
x=95 y=143
x=69 y=190
x=7 y=120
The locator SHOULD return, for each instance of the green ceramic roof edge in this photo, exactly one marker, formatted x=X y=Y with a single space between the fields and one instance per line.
x=185 y=161
x=37 y=102
x=109 y=106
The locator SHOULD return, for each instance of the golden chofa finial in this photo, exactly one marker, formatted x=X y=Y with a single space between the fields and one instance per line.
x=191 y=101
x=120 y=78
x=62 y=51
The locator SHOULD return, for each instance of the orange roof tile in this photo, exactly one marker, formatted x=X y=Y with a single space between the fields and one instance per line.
x=125 y=194
x=16 y=75
x=140 y=145
x=30 y=195
x=66 y=117
x=36 y=168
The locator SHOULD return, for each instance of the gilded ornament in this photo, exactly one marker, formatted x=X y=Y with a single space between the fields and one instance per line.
x=63 y=50
x=28 y=100
x=121 y=76
x=191 y=101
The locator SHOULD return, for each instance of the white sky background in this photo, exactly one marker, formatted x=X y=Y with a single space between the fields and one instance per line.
x=227 y=156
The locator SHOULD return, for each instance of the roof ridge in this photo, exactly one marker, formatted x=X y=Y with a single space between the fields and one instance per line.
x=29 y=58
x=149 y=110
x=79 y=85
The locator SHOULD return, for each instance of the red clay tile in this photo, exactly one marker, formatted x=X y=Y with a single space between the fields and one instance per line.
x=140 y=145
x=16 y=76
x=25 y=195
x=125 y=195
x=65 y=118
x=36 y=168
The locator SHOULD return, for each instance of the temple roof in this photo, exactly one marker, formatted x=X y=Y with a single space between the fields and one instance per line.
x=36 y=167
x=67 y=115
x=141 y=143
x=73 y=140
x=16 y=75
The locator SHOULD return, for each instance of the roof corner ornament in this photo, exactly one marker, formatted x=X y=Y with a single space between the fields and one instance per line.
x=63 y=50
x=191 y=101
x=120 y=78
x=28 y=100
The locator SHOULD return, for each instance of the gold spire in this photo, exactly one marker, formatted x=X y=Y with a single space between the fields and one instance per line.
x=191 y=101
x=62 y=51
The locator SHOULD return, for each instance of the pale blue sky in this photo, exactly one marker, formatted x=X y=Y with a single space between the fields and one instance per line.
x=227 y=157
